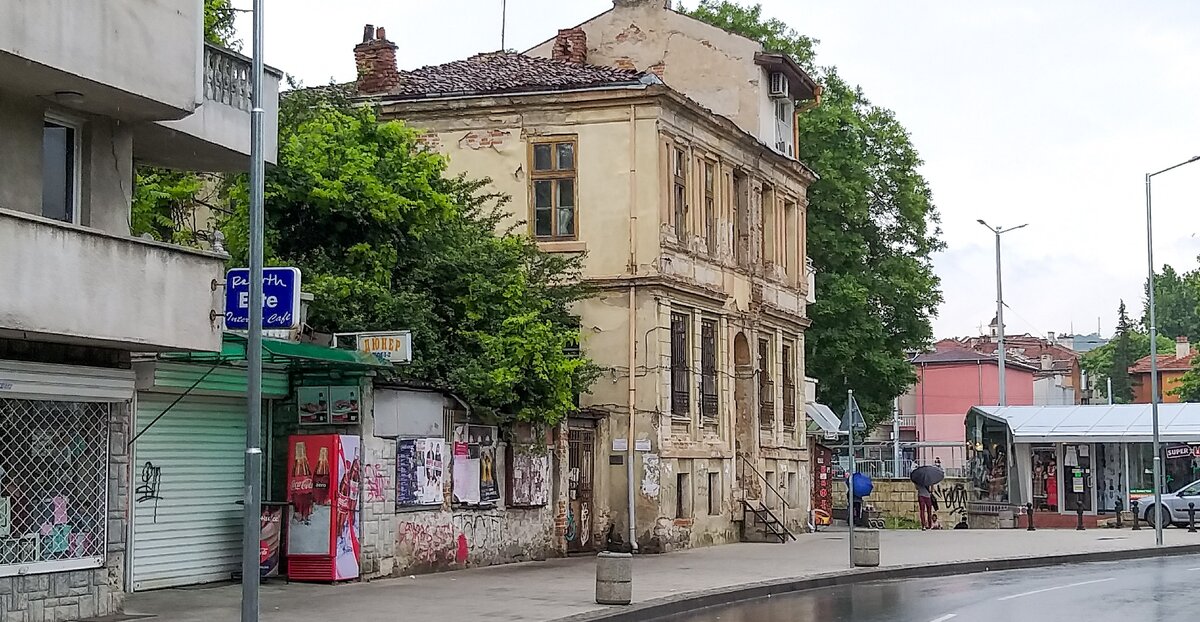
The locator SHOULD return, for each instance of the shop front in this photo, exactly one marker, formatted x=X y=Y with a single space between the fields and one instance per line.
x=189 y=454
x=62 y=469
x=1066 y=459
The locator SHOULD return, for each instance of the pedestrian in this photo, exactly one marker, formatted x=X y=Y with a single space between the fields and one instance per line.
x=925 y=506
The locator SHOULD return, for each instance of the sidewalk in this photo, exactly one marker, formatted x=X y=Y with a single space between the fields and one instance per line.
x=563 y=587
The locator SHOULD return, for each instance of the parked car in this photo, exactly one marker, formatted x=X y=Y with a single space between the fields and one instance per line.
x=1175 y=505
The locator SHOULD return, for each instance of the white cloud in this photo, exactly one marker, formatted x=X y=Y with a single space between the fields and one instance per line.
x=1025 y=111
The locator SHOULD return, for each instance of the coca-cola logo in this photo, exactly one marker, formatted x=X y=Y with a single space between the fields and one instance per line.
x=302 y=484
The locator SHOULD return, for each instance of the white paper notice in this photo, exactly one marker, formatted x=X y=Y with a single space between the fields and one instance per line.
x=620 y=444
x=1083 y=451
x=642 y=444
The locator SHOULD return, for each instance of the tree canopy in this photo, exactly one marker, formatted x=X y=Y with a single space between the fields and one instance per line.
x=1113 y=359
x=386 y=240
x=872 y=228
x=1176 y=303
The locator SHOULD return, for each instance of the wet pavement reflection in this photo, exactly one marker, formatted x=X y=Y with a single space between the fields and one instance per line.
x=1143 y=590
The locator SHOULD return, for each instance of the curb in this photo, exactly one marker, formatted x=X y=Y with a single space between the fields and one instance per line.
x=691 y=601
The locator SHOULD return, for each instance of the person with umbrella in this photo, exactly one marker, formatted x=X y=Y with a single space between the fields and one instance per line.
x=925 y=478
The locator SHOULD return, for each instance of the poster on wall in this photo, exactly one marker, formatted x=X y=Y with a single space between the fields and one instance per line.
x=271 y=525
x=406 y=474
x=432 y=472
x=466 y=479
x=344 y=404
x=313 y=404
x=489 y=490
x=530 y=473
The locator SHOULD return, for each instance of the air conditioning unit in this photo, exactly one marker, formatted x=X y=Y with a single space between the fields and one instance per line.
x=779 y=85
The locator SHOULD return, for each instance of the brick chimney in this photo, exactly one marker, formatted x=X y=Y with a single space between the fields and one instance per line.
x=1183 y=349
x=375 y=58
x=570 y=46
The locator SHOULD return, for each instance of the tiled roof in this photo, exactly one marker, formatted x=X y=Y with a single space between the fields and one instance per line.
x=504 y=72
x=1166 y=362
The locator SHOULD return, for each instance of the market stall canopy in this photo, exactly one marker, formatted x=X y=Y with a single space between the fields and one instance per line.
x=1124 y=423
x=823 y=417
x=304 y=356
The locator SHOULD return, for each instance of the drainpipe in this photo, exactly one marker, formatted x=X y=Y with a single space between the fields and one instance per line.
x=632 y=321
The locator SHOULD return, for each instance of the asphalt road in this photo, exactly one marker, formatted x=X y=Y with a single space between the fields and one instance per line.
x=1149 y=590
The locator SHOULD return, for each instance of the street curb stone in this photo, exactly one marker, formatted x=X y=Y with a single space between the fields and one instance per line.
x=692 y=601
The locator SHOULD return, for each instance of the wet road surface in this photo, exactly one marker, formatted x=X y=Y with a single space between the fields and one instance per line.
x=1150 y=590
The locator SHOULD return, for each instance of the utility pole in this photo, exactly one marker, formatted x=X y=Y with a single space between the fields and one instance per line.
x=503 y=23
x=850 y=476
x=252 y=530
x=1003 y=390
x=896 y=438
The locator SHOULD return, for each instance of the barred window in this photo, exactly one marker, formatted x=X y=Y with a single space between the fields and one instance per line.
x=709 y=402
x=681 y=389
x=53 y=482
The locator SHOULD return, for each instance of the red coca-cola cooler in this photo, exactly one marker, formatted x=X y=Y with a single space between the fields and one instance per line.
x=324 y=473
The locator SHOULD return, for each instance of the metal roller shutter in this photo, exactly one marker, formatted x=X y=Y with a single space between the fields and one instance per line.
x=187 y=479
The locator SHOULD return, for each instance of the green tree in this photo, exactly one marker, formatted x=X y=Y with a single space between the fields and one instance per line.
x=163 y=199
x=385 y=240
x=1176 y=303
x=1102 y=363
x=872 y=228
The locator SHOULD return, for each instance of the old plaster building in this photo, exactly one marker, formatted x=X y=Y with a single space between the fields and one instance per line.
x=690 y=206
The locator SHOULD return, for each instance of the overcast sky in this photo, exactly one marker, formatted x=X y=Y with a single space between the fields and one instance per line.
x=1025 y=111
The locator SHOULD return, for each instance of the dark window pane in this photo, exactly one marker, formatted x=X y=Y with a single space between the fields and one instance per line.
x=566 y=193
x=566 y=221
x=542 y=226
x=566 y=156
x=58 y=172
x=542 y=158
x=543 y=194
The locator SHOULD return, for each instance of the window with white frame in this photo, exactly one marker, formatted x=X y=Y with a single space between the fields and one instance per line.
x=60 y=170
x=784 y=121
x=54 y=483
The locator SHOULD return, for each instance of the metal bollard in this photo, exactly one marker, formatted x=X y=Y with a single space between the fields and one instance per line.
x=1137 y=518
x=1029 y=516
x=1117 y=504
x=1191 y=517
x=1079 y=519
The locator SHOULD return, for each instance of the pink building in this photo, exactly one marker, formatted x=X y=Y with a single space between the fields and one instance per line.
x=950 y=380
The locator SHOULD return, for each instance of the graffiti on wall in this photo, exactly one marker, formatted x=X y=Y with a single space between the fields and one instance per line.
x=467 y=534
x=953 y=500
x=650 y=475
x=377 y=482
x=428 y=544
x=148 y=488
x=530 y=476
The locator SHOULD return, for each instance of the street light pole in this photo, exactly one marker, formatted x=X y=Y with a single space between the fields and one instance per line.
x=1154 y=397
x=1000 y=310
x=252 y=527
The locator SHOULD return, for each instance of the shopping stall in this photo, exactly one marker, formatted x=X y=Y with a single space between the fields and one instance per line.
x=1095 y=458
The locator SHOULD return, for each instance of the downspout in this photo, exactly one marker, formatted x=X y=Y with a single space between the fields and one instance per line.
x=803 y=108
x=632 y=322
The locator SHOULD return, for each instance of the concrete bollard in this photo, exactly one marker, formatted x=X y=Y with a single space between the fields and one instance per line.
x=614 y=578
x=866 y=548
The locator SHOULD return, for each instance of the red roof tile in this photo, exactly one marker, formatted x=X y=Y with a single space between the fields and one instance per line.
x=1166 y=362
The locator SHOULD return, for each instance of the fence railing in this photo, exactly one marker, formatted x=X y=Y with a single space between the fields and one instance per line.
x=908 y=421
x=226 y=77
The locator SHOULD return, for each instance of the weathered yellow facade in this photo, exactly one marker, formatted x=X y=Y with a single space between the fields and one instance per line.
x=751 y=285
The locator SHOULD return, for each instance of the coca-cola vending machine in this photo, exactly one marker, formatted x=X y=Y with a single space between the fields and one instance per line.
x=324 y=473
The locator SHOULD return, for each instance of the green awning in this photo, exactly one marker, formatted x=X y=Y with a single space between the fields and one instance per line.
x=292 y=354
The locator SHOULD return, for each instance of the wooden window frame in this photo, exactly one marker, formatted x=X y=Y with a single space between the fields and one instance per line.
x=789 y=385
x=710 y=205
x=679 y=191
x=766 y=386
x=555 y=176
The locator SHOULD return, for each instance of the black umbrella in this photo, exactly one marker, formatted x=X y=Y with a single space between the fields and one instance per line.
x=927 y=476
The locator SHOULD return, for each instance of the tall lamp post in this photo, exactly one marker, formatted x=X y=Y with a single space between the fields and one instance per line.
x=998 y=231
x=1154 y=398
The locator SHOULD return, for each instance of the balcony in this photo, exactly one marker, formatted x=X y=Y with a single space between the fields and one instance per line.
x=69 y=284
x=133 y=60
x=908 y=422
x=217 y=136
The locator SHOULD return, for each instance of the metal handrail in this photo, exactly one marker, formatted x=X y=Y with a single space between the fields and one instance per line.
x=786 y=505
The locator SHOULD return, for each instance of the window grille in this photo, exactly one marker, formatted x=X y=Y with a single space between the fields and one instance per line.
x=709 y=402
x=681 y=393
x=54 y=481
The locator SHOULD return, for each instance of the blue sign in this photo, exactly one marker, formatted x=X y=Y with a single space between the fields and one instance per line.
x=281 y=298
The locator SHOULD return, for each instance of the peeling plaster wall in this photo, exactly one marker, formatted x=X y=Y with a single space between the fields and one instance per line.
x=713 y=67
x=491 y=136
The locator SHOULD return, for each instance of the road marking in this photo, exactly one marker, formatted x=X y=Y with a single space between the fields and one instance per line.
x=946 y=617
x=1057 y=587
x=1193 y=569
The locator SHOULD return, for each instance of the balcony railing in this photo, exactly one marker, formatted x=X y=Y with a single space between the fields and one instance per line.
x=226 y=77
x=908 y=421
x=766 y=404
